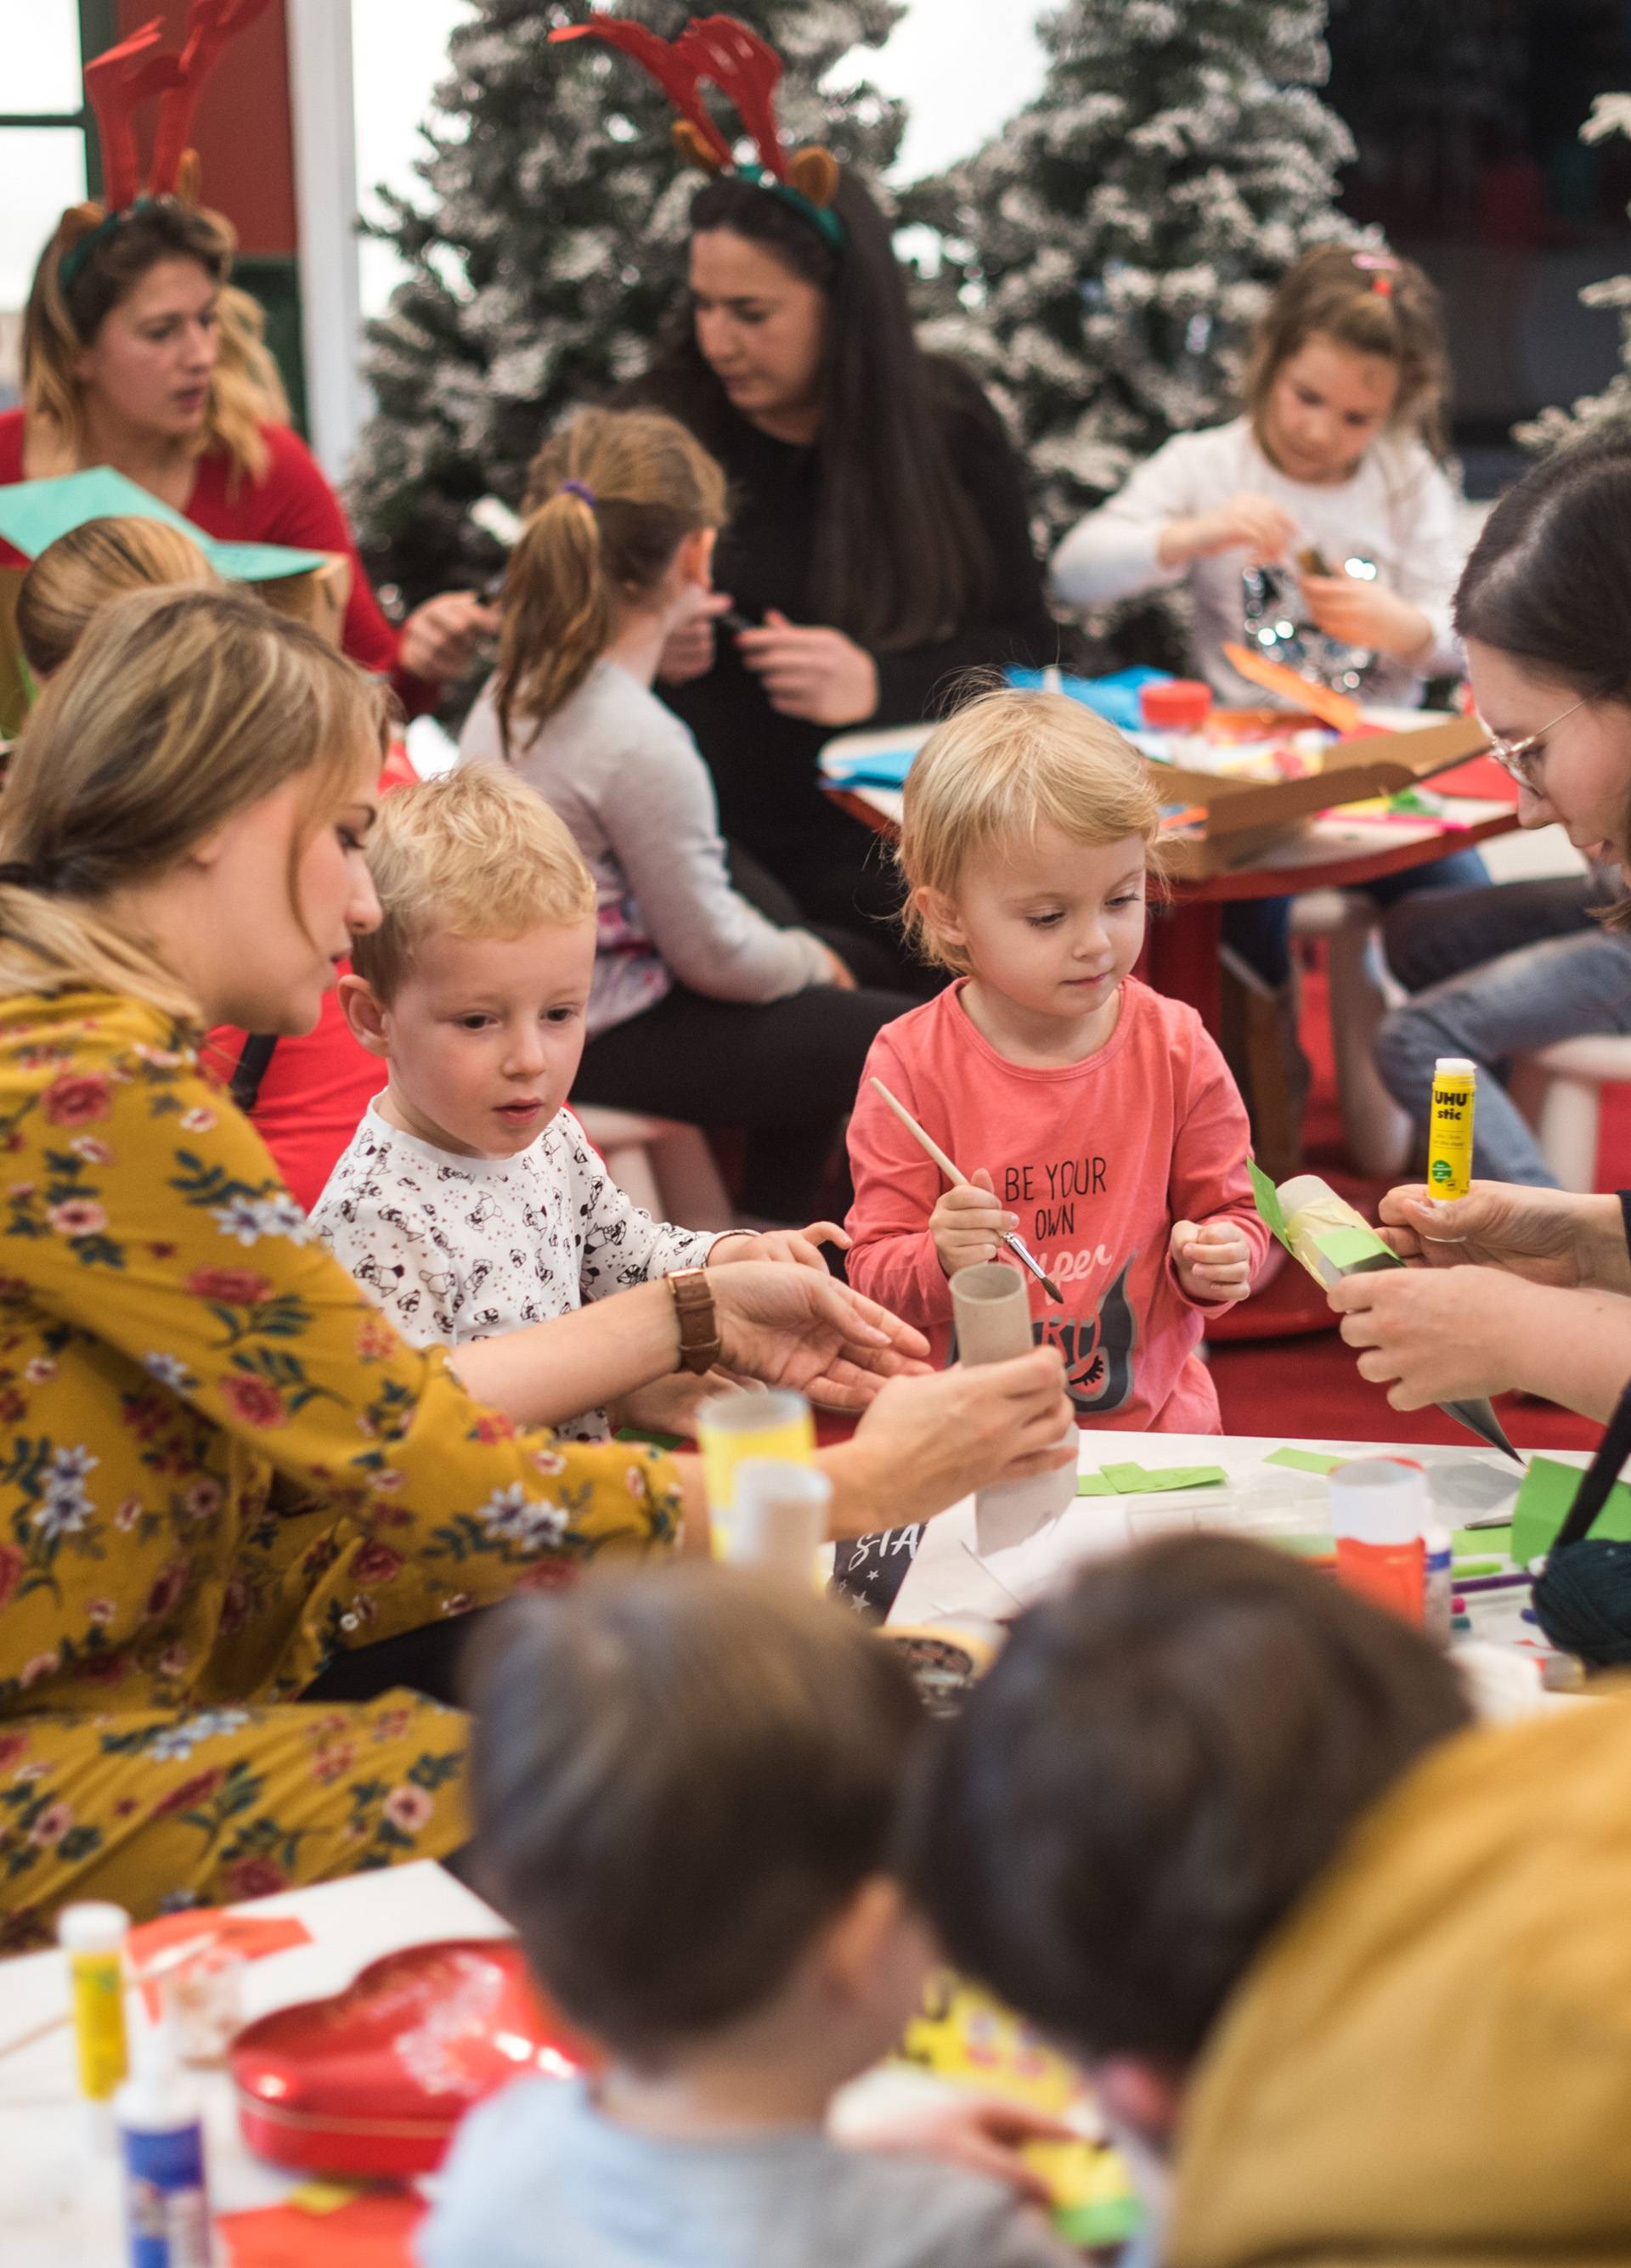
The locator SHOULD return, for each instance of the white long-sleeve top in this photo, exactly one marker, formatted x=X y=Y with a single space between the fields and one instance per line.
x=630 y=782
x=1397 y=508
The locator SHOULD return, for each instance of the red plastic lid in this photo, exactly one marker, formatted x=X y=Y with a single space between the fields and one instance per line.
x=1179 y=702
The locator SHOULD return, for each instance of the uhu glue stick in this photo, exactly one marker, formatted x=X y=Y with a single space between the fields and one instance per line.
x=1450 y=1133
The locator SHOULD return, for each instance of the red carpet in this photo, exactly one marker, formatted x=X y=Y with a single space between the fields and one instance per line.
x=1307 y=1387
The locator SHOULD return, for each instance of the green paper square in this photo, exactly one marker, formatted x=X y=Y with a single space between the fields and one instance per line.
x=1543 y=1506
x=1267 y=1198
x=1094 y=1484
x=1306 y=1460
x=1346 y=1248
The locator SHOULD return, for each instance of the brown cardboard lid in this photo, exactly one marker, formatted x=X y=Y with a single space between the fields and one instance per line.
x=1373 y=763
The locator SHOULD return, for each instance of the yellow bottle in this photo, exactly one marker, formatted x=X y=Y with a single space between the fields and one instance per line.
x=1449 y=1134
x=92 y=1936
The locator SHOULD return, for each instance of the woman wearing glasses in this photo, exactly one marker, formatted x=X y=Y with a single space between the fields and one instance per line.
x=1519 y=1286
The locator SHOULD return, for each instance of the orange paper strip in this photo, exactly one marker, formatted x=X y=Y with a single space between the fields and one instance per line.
x=1332 y=707
x=375 y=2231
x=251 y=1936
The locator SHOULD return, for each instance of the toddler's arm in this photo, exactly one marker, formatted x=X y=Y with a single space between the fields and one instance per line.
x=1162 y=521
x=893 y=1256
x=1218 y=1242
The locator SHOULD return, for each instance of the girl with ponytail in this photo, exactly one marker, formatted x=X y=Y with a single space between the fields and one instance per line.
x=691 y=976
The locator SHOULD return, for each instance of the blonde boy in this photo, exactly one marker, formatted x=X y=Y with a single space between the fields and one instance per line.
x=468 y=1202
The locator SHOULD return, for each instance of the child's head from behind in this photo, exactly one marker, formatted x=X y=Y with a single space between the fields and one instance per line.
x=75 y=577
x=1161 y=1763
x=476 y=984
x=620 y=514
x=686 y=1784
x=1028 y=828
x=1352 y=346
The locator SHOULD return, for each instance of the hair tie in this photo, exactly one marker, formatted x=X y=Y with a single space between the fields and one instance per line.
x=1381 y=268
x=579 y=488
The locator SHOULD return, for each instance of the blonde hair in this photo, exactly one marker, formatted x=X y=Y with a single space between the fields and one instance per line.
x=178 y=709
x=74 y=578
x=63 y=316
x=643 y=484
x=474 y=854
x=1387 y=307
x=1003 y=765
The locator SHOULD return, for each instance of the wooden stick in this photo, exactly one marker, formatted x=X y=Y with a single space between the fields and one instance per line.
x=955 y=1174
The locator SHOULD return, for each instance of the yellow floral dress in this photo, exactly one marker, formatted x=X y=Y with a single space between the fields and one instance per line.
x=219 y=1465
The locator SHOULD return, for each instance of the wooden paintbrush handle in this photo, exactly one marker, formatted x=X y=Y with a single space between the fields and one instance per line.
x=951 y=1172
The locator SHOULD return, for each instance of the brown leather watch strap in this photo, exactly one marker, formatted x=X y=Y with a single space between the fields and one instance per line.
x=700 y=1344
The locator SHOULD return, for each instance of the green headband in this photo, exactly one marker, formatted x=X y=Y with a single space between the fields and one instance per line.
x=825 y=218
x=73 y=260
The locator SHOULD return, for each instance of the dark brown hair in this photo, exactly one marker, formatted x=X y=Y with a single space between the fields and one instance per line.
x=900 y=556
x=1391 y=311
x=642 y=483
x=1162 y=1762
x=678 y=1777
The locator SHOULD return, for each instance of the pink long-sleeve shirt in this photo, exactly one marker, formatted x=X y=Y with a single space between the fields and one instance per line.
x=1098 y=1159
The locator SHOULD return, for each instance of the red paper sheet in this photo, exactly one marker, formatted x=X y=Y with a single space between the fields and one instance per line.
x=251 y=1935
x=375 y=2231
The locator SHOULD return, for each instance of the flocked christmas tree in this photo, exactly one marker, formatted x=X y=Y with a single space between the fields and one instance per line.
x=549 y=253
x=1120 y=235
x=1611 y=113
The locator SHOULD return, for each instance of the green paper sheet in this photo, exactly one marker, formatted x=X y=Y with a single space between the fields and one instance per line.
x=1345 y=1247
x=1267 y=1198
x=1138 y=1480
x=1481 y=1543
x=1543 y=1505
x=34 y=514
x=1094 y=1485
x=1306 y=1460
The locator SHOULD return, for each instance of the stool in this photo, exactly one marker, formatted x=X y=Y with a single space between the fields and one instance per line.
x=1560 y=1090
x=1379 y=1133
x=660 y=1164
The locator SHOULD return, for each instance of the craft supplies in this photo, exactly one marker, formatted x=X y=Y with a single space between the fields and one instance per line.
x=1324 y=1234
x=93 y=1936
x=990 y=1309
x=958 y=1178
x=1449 y=1129
x=161 y=2143
x=1378 y=1510
x=757 y=1421
x=777 y=1519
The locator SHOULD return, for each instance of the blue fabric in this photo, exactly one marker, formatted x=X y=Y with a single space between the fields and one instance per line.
x=1115 y=697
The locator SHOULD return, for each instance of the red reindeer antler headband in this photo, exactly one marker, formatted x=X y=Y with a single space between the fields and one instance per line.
x=119 y=82
x=746 y=70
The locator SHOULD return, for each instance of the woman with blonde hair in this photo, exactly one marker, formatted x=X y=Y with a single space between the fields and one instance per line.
x=221 y=1470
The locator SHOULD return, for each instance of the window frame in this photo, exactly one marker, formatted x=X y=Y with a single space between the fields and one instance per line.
x=99 y=28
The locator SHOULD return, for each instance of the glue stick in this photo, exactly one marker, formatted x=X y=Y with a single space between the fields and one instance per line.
x=1379 y=1512
x=93 y=1936
x=1450 y=1133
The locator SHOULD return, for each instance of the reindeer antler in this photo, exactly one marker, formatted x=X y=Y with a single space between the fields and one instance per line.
x=212 y=26
x=669 y=62
x=746 y=70
x=119 y=82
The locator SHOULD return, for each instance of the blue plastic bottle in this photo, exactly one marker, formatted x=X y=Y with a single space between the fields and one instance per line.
x=161 y=2145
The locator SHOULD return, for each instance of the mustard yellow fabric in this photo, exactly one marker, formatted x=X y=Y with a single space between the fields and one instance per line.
x=1432 y=2063
x=218 y=1467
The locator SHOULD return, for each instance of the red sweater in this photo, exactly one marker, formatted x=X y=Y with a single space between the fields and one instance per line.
x=1098 y=1159
x=291 y=503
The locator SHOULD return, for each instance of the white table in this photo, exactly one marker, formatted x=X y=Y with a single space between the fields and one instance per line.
x=60 y=2200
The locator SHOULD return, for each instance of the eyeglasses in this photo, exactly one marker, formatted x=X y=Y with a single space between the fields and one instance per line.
x=1517 y=757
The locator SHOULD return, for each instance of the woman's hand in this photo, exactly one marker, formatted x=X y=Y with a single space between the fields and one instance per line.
x=1255 y=525
x=799 y=1326
x=1549 y=1236
x=818 y=674
x=440 y=639
x=689 y=652
x=927 y=1441
x=1212 y=1261
x=968 y=1224
x=800 y=1246
x=1433 y=1337
x=1364 y=613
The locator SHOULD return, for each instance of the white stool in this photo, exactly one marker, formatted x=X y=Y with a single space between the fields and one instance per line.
x=1379 y=1133
x=1560 y=1091
x=661 y=1164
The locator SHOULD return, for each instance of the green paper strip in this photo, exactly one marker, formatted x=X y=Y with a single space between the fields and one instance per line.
x=1345 y=1247
x=1094 y=1485
x=1477 y=1566
x=1482 y=1543
x=1268 y=1199
x=1138 y=1480
x=1301 y=1547
x=1096 y=2228
x=1306 y=1460
x=1543 y=1506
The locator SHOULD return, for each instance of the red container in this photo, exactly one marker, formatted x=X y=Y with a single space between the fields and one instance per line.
x=1179 y=705
x=374 y=2079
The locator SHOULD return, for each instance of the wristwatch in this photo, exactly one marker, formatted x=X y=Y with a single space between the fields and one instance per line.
x=700 y=1344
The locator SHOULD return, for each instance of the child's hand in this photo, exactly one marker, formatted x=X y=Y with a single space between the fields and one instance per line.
x=967 y=1223
x=1252 y=524
x=1363 y=614
x=981 y=2133
x=801 y=1246
x=1213 y=1261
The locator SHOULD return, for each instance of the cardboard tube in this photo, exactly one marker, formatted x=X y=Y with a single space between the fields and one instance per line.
x=991 y=1306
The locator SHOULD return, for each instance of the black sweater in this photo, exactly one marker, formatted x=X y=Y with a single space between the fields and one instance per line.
x=763 y=764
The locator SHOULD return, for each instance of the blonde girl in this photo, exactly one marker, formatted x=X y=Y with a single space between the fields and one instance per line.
x=704 y=1008
x=221 y=1471
x=75 y=577
x=1093 y=1115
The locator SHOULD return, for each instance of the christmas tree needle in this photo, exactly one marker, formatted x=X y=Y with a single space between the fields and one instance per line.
x=955 y=1174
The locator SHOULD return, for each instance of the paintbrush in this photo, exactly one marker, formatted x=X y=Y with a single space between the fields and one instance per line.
x=1016 y=1245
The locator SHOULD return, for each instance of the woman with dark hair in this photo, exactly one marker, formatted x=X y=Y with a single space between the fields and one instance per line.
x=1542 y=611
x=878 y=543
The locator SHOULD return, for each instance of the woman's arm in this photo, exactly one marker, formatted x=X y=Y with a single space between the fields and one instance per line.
x=1465 y=1331
x=1547 y=1236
